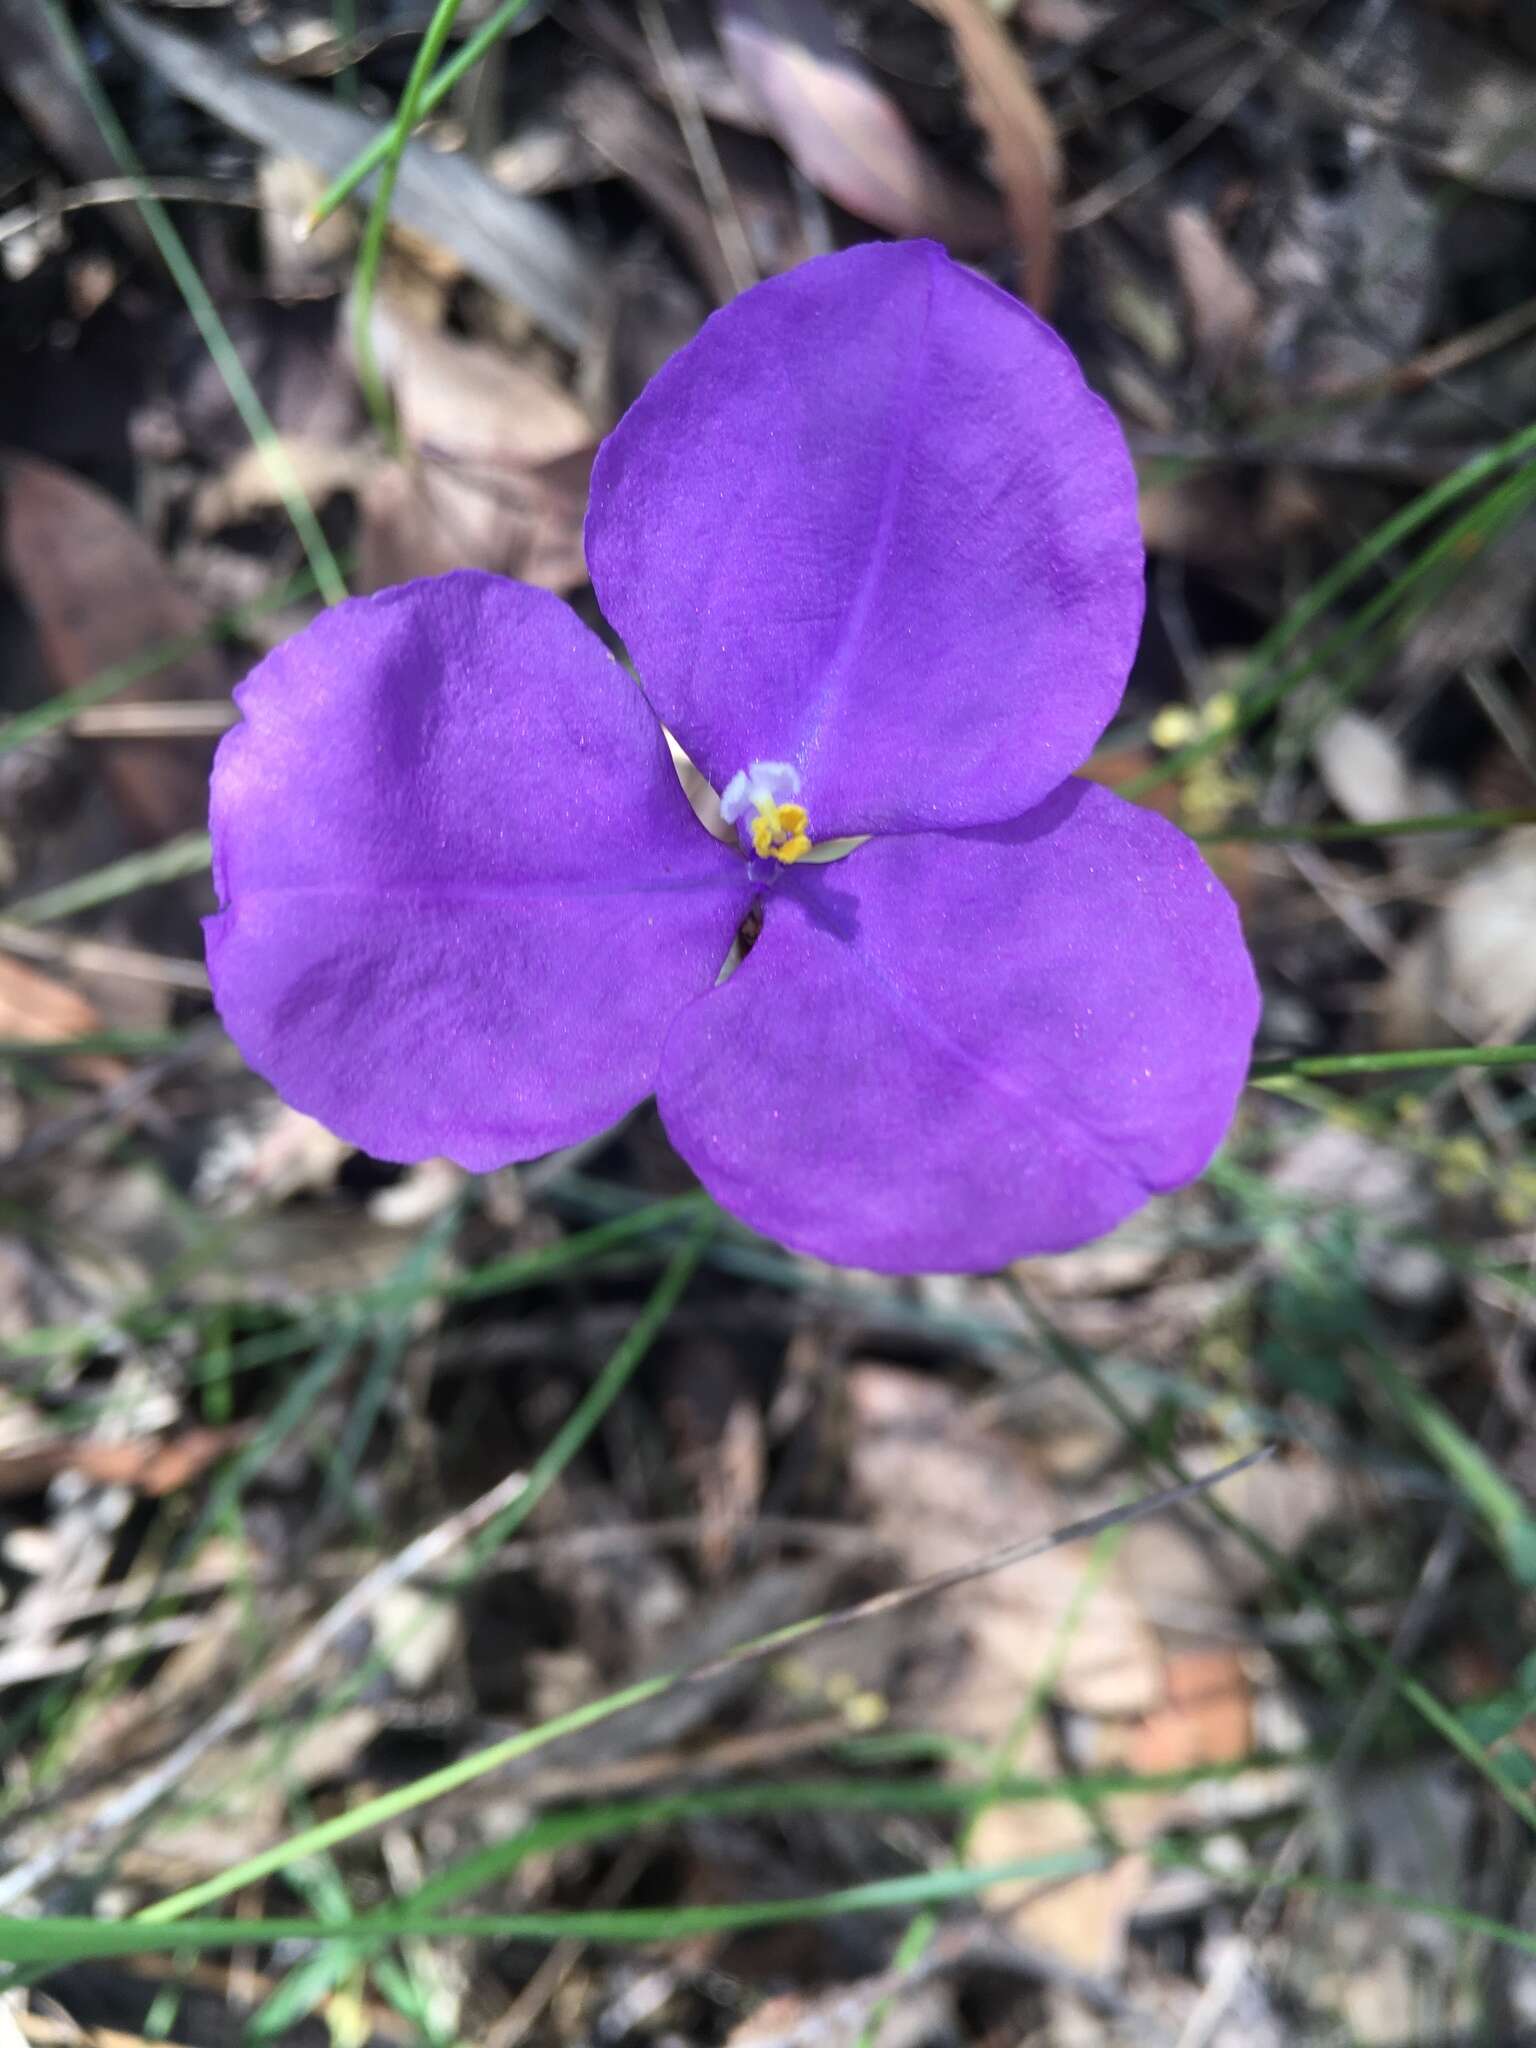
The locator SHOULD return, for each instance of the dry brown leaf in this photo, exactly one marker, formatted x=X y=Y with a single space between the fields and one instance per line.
x=468 y=401
x=942 y=1489
x=517 y=248
x=1284 y=1501
x=149 y=1465
x=1366 y=770
x=421 y=521
x=1475 y=963
x=546 y=155
x=938 y=1487
x=301 y=262
x=632 y=136
x=501 y=463
x=1065 y=21
x=39 y=1010
x=840 y=130
x=1224 y=304
x=1206 y=1718
x=99 y=593
x=1474 y=110
x=1026 y=157
x=279 y=1154
x=298 y=1254
x=247 y=486
x=1085 y=1918
x=1205 y=518
x=840 y=2016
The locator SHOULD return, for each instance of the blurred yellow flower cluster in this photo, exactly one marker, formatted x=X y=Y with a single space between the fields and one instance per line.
x=1210 y=792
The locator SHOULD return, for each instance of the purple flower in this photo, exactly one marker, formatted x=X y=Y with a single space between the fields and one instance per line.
x=873 y=548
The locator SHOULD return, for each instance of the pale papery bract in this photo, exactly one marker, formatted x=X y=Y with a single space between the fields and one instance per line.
x=872 y=545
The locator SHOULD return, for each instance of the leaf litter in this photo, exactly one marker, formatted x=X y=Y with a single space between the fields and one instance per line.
x=246 y=1368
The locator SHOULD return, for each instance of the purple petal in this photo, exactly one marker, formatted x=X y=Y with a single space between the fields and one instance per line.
x=463 y=892
x=872 y=522
x=953 y=1050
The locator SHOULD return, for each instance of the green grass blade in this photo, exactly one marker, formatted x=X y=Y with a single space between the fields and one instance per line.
x=305 y=1987
x=127 y=1044
x=205 y=315
x=1495 y=1501
x=529 y=1269
x=437 y=87
x=370 y=254
x=147 y=1319
x=618 y=1819
x=1276 y=1073
x=56 y=1941
x=1262 y=685
x=567 y=1440
x=173 y=862
x=378 y=1812
x=1347 y=1891
x=604 y=1390
x=924 y=1926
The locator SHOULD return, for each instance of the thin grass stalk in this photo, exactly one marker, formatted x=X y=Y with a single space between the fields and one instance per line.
x=205 y=315
x=437 y=88
x=1258 y=689
x=370 y=254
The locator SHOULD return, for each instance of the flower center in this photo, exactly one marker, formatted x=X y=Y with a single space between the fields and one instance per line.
x=777 y=825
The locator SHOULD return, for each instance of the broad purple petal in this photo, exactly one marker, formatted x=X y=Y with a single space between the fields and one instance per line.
x=871 y=521
x=953 y=1050
x=463 y=892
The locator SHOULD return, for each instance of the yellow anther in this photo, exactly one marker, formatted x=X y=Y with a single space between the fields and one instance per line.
x=778 y=831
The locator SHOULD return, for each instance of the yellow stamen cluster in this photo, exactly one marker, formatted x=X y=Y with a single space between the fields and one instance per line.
x=778 y=831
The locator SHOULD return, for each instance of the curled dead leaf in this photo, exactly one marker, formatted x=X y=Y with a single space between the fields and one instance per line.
x=1026 y=157
x=154 y=1466
x=99 y=594
x=1206 y=1716
x=1224 y=304
x=248 y=485
x=845 y=135
x=499 y=469
x=37 y=1010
